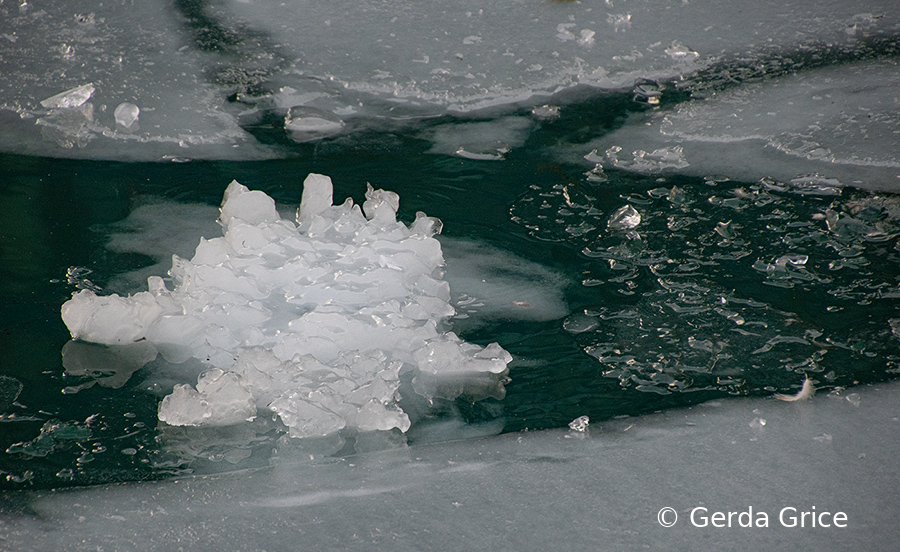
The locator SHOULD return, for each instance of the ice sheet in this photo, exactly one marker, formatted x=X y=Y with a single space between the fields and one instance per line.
x=602 y=489
x=203 y=76
x=834 y=125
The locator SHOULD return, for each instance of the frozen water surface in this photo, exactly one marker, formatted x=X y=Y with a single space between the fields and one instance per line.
x=655 y=219
x=210 y=77
x=598 y=488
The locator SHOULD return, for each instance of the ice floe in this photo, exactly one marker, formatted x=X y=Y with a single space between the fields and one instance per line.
x=317 y=321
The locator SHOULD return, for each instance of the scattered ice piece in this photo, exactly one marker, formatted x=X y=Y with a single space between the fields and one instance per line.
x=500 y=154
x=594 y=157
x=814 y=184
x=545 y=112
x=70 y=98
x=648 y=162
x=758 y=423
x=724 y=229
x=306 y=124
x=580 y=424
x=853 y=398
x=620 y=21
x=680 y=52
x=127 y=116
x=806 y=392
x=895 y=327
x=579 y=323
x=823 y=438
x=625 y=218
x=586 y=38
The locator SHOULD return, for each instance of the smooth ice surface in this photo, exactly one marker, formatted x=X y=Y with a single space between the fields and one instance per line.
x=315 y=321
x=207 y=75
x=600 y=489
x=827 y=126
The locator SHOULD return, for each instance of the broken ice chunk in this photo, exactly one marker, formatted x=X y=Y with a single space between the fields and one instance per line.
x=625 y=218
x=127 y=117
x=579 y=424
x=381 y=205
x=252 y=207
x=545 y=112
x=306 y=124
x=221 y=398
x=318 y=195
x=70 y=98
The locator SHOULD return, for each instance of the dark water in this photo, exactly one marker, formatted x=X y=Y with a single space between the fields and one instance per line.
x=724 y=288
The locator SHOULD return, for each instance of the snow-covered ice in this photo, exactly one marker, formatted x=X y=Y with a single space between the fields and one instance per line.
x=317 y=321
x=597 y=490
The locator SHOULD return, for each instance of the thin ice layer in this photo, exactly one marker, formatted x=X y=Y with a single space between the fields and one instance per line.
x=601 y=489
x=837 y=125
x=314 y=321
x=202 y=75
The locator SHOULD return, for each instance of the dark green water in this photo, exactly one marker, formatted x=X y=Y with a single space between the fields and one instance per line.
x=728 y=288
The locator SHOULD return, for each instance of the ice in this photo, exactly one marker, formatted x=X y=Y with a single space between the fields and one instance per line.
x=810 y=132
x=488 y=284
x=207 y=76
x=127 y=116
x=316 y=322
x=308 y=123
x=625 y=218
x=603 y=490
x=70 y=98
x=580 y=424
x=486 y=141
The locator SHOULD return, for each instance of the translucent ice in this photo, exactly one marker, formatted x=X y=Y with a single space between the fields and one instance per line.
x=127 y=116
x=838 y=457
x=314 y=321
x=70 y=98
x=808 y=132
x=308 y=123
x=625 y=218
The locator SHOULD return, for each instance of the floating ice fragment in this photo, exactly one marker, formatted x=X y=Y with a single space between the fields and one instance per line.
x=648 y=162
x=586 y=38
x=127 y=116
x=679 y=51
x=580 y=424
x=70 y=98
x=221 y=398
x=620 y=21
x=545 y=113
x=313 y=322
x=306 y=124
x=814 y=184
x=625 y=218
